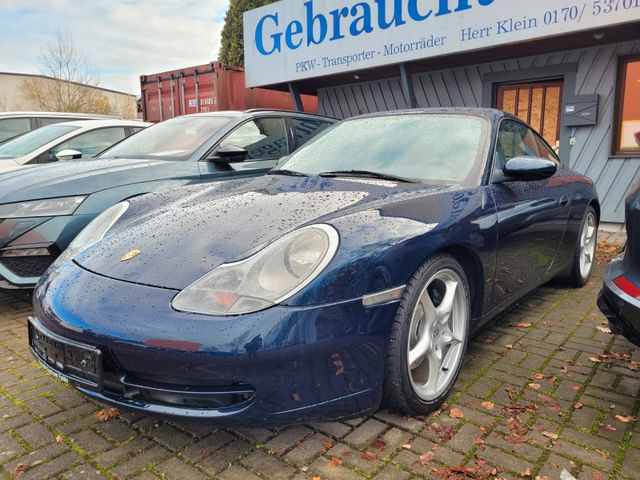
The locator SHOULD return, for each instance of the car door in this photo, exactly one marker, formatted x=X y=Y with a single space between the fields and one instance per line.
x=265 y=140
x=532 y=215
x=88 y=144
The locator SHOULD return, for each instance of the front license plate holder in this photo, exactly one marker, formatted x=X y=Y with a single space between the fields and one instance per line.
x=80 y=363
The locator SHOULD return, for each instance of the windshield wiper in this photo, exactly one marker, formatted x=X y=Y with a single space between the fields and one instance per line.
x=366 y=173
x=289 y=173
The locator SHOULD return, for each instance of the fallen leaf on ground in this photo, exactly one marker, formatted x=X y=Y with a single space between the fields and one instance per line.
x=20 y=469
x=625 y=418
x=406 y=446
x=595 y=359
x=426 y=457
x=478 y=441
x=456 y=413
x=522 y=324
x=607 y=427
x=369 y=456
x=535 y=386
x=603 y=329
x=379 y=445
x=335 y=461
x=578 y=405
x=551 y=435
x=526 y=473
x=107 y=414
x=509 y=346
x=326 y=443
x=488 y=405
x=58 y=439
x=602 y=453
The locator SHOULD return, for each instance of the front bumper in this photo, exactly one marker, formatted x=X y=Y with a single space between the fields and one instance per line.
x=622 y=310
x=279 y=366
x=47 y=236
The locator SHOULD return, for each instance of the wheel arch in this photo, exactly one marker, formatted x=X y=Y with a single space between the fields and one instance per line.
x=596 y=206
x=472 y=267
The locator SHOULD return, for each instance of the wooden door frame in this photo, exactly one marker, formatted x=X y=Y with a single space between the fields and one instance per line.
x=565 y=72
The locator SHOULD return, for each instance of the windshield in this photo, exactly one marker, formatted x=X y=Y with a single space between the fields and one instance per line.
x=433 y=148
x=174 y=139
x=31 y=141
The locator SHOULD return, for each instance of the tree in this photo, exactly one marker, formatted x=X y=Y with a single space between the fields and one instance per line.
x=69 y=85
x=232 y=45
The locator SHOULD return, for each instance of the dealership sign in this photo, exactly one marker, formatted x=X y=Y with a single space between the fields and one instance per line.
x=296 y=39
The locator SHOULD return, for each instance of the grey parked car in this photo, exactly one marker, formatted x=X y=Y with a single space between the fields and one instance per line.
x=42 y=208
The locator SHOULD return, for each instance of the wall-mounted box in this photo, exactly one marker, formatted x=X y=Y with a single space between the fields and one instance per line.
x=581 y=111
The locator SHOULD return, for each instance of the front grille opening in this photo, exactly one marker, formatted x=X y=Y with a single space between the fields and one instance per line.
x=27 y=267
x=221 y=396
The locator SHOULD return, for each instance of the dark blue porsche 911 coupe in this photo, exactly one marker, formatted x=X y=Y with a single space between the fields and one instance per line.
x=352 y=276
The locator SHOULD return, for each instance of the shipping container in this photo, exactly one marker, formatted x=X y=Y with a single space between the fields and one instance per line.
x=208 y=88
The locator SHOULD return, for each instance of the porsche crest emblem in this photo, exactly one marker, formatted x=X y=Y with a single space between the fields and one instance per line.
x=130 y=254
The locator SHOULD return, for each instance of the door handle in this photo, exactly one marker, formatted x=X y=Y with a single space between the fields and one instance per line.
x=564 y=200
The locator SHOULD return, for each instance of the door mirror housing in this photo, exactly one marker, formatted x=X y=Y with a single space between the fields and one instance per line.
x=229 y=154
x=68 y=155
x=529 y=168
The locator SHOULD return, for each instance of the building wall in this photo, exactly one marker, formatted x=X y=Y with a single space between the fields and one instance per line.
x=12 y=99
x=591 y=70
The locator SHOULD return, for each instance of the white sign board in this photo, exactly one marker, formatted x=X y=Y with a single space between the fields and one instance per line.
x=296 y=39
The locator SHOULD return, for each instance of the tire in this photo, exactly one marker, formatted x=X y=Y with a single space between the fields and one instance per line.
x=585 y=252
x=413 y=391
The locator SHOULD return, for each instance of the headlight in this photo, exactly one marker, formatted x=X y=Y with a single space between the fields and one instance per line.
x=50 y=207
x=265 y=279
x=94 y=232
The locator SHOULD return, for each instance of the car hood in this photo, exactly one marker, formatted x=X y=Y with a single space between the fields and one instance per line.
x=227 y=221
x=77 y=178
x=7 y=164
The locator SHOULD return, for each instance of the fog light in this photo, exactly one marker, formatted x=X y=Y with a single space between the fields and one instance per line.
x=26 y=252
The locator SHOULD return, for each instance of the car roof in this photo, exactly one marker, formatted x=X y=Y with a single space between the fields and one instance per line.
x=53 y=114
x=253 y=111
x=489 y=113
x=105 y=123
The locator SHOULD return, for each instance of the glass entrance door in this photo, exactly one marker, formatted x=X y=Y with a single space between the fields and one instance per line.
x=537 y=103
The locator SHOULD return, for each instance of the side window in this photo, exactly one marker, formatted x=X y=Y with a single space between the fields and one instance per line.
x=50 y=121
x=12 y=127
x=514 y=140
x=263 y=138
x=90 y=143
x=304 y=129
x=544 y=150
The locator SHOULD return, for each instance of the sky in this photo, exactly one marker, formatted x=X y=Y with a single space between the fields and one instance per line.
x=122 y=39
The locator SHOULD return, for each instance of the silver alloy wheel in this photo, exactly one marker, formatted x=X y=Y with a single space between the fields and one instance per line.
x=437 y=333
x=588 y=244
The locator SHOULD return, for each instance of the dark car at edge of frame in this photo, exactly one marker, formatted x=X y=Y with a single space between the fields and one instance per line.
x=349 y=277
x=619 y=299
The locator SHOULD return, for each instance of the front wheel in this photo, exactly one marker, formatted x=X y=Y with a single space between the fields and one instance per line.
x=585 y=252
x=428 y=338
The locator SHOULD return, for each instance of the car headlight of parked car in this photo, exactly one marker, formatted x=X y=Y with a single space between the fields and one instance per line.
x=264 y=279
x=94 y=232
x=48 y=207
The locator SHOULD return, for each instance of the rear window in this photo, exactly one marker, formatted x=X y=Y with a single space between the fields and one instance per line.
x=304 y=129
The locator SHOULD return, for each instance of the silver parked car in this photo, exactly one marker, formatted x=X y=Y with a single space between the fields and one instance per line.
x=75 y=140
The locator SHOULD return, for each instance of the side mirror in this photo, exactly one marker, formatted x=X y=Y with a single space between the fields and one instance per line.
x=529 y=168
x=229 y=154
x=68 y=155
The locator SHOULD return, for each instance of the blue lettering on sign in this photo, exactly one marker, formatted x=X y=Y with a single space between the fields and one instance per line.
x=362 y=18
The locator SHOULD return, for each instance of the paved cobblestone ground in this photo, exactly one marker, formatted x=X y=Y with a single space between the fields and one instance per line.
x=545 y=388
